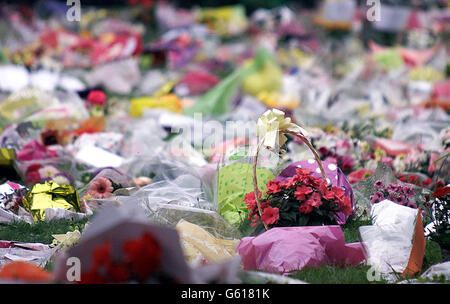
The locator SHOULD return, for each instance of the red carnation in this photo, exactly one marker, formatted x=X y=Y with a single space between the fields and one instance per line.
x=441 y=191
x=426 y=182
x=412 y=179
x=117 y=273
x=102 y=254
x=97 y=97
x=144 y=255
x=33 y=177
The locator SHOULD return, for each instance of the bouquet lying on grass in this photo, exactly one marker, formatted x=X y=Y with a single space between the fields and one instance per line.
x=302 y=200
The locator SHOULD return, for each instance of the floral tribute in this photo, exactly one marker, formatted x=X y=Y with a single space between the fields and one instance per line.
x=140 y=261
x=399 y=194
x=101 y=187
x=440 y=203
x=302 y=200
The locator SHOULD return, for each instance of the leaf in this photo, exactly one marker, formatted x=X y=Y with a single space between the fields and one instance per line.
x=442 y=157
x=303 y=220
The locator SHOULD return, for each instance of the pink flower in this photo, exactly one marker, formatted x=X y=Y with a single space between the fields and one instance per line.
x=377 y=197
x=97 y=97
x=359 y=175
x=270 y=215
x=432 y=165
x=379 y=184
x=101 y=187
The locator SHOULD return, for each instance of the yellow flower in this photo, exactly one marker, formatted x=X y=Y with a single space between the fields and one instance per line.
x=67 y=240
x=272 y=124
x=379 y=153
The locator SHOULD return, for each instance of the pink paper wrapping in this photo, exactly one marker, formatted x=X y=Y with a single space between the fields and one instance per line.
x=34 y=150
x=289 y=249
x=393 y=147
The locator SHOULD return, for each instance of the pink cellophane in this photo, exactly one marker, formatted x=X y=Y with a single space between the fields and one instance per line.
x=289 y=249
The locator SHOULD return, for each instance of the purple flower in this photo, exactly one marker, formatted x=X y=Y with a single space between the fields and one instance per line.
x=408 y=191
x=393 y=188
x=377 y=197
x=412 y=205
x=379 y=184
x=398 y=199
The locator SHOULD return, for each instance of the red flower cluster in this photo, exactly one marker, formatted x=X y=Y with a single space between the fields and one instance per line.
x=32 y=174
x=413 y=179
x=300 y=195
x=141 y=258
x=441 y=192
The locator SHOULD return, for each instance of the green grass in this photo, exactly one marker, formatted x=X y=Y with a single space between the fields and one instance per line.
x=40 y=232
x=358 y=274
x=335 y=275
x=350 y=229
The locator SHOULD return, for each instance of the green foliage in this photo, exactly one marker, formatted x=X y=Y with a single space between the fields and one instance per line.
x=441 y=235
x=432 y=255
x=40 y=232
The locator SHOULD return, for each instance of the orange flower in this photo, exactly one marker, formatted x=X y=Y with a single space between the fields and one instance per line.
x=25 y=272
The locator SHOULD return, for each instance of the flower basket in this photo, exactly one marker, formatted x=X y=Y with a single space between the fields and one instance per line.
x=301 y=200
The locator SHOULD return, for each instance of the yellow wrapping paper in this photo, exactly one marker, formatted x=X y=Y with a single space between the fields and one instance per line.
x=68 y=239
x=7 y=157
x=197 y=243
x=50 y=195
x=169 y=101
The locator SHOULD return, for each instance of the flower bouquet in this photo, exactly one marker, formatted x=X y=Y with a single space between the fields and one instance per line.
x=301 y=200
x=439 y=228
x=141 y=257
x=120 y=246
x=103 y=184
x=402 y=195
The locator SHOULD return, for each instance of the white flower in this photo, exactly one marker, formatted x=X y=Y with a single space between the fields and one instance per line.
x=61 y=180
x=48 y=171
